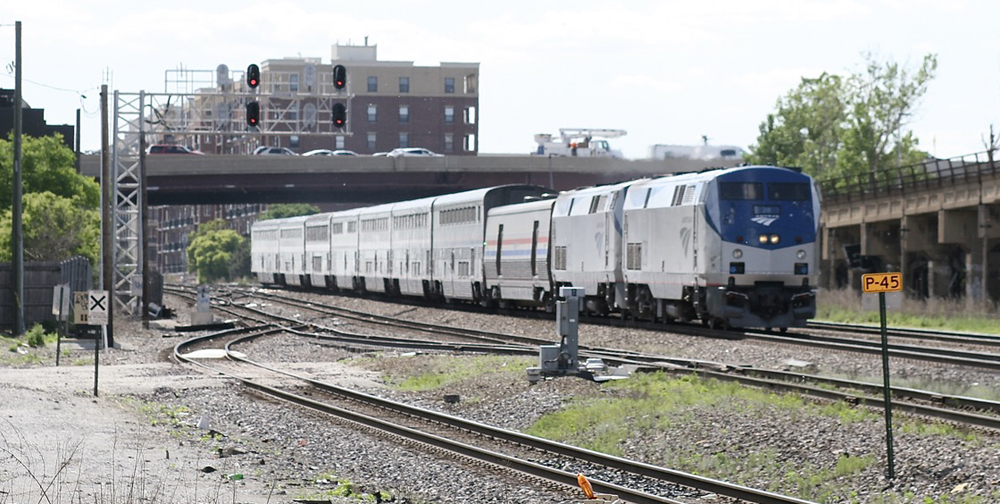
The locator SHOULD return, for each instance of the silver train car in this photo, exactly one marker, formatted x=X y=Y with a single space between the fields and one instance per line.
x=430 y=247
x=730 y=247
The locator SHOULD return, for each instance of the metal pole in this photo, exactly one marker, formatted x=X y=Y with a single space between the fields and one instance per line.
x=885 y=388
x=144 y=232
x=78 y=135
x=17 y=233
x=59 y=320
x=107 y=224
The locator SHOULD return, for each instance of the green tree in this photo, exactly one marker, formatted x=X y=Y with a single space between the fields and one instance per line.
x=806 y=129
x=46 y=165
x=833 y=126
x=281 y=211
x=60 y=207
x=211 y=253
x=54 y=228
x=883 y=99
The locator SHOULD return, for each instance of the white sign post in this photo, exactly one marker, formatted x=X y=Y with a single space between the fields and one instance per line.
x=60 y=308
x=98 y=306
x=60 y=301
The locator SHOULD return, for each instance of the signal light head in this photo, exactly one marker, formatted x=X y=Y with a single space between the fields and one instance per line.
x=253 y=113
x=339 y=115
x=253 y=76
x=339 y=77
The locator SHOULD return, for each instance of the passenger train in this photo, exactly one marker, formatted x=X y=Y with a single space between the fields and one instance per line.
x=732 y=247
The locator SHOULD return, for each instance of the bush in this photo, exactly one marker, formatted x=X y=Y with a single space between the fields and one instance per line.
x=35 y=336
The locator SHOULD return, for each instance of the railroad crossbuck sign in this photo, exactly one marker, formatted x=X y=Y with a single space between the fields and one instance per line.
x=97 y=307
x=882 y=282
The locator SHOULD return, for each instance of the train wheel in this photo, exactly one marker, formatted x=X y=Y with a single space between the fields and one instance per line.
x=783 y=330
x=718 y=323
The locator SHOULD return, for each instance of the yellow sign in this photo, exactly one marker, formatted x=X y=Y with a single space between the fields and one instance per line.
x=882 y=282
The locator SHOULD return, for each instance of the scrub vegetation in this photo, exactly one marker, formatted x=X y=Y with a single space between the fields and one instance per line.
x=845 y=306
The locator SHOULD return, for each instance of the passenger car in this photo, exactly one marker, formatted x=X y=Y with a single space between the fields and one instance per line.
x=265 y=150
x=171 y=149
x=412 y=152
x=328 y=152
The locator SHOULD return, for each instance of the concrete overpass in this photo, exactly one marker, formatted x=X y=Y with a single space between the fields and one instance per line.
x=190 y=179
x=938 y=223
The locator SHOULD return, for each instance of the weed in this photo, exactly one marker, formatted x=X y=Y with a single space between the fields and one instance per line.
x=439 y=371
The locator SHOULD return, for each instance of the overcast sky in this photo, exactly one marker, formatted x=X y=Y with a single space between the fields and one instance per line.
x=668 y=72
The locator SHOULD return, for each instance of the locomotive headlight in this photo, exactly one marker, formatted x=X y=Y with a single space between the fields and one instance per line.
x=763 y=239
x=737 y=253
x=801 y=254
x=775 y=239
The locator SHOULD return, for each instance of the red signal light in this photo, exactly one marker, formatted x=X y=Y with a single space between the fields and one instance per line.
x=253 y=113
x=339 y=115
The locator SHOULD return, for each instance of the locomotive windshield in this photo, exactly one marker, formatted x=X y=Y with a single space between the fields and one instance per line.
x=754 y=191
x=735 y=191
x=788 y=191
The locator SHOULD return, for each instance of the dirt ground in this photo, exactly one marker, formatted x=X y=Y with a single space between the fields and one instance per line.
x=61 y=443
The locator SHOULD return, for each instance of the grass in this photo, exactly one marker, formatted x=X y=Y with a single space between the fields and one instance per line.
x=431 y=372
x=646 y=406
x=33 y=348
x=946 y=314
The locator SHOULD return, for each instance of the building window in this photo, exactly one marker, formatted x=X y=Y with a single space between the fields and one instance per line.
x=340 y=141
x=372 y=84
x=404 y=113
x=404 y=140
x=449 y=84
x=293 y=82
x=371 y=141
x=404 y=84
x=449 y=114
x=372 y=113
x=449 y=142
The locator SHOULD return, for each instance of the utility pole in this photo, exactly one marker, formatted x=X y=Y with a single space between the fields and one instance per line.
x=18 y=231
x=76 y=165
x=107 y=225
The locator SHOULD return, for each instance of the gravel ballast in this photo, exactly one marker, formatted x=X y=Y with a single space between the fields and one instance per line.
x=149 y=410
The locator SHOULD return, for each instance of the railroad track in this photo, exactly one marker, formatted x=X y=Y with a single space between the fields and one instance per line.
x=479 y=444
x=956 y=409
x=977 y=359
x=991 y=340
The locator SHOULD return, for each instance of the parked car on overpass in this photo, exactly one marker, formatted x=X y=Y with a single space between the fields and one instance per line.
x=328 y=152
x=265 y=150
x=413 y=152
x=171 y=149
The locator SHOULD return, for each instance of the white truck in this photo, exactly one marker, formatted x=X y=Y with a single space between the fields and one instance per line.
x=581 y=142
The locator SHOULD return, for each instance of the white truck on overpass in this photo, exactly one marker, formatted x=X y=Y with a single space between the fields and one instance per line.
x=582 y=142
